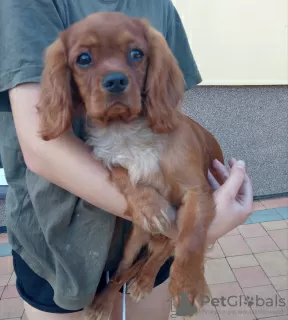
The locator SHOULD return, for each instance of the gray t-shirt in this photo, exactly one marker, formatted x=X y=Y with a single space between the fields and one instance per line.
x=62 y=238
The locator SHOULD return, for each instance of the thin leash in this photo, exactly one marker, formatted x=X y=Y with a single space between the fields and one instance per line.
x=123 y=296
x=124 y=301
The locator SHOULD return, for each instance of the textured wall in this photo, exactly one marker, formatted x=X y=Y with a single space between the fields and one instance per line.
x=2 y=213
x=251 y=123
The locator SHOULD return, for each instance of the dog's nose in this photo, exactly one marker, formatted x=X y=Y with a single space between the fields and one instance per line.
x=115 y=82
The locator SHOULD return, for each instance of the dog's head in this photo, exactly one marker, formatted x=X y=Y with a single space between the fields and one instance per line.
x=118 y=67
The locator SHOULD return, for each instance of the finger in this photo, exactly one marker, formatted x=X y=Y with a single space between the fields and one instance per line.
x=235 y=180
x=232 y=162
x=247 y=193
x=213 y=182
x=221 y=170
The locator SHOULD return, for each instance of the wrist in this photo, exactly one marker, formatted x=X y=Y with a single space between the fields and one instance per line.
x=217 y=229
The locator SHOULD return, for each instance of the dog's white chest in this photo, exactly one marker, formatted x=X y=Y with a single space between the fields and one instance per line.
x=132 y=146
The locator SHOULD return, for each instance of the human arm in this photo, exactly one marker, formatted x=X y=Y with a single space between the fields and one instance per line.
x=66 y=161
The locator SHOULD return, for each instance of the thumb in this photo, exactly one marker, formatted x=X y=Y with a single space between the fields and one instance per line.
x=235 y=180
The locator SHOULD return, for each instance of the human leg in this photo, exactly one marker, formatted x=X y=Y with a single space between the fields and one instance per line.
x=155 y=306
x=35 y=314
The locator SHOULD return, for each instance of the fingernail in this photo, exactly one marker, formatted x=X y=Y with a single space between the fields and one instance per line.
x=240 y=164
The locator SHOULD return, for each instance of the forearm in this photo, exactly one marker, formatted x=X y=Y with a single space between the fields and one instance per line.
x=68 y=163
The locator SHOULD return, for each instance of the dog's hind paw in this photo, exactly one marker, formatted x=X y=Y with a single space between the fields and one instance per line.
x=140 y=287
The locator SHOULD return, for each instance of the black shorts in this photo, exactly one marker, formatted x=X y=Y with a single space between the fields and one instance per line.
x=38 y=293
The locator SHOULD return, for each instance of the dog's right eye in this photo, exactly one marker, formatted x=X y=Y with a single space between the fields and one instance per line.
x=84 y=60
x=136 y=55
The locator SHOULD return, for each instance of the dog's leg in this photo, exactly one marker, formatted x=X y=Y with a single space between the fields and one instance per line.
x=187 y=272
x=102 y=305
x=147 y=208
x=161 y=249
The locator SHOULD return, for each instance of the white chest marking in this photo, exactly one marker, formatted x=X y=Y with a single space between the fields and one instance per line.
x=132 y=146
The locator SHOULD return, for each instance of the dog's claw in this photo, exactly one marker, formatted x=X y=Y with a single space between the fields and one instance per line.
x=155 y=222
x=140 y=287
x=176 y=301
x=160 y=223
x=136 y=294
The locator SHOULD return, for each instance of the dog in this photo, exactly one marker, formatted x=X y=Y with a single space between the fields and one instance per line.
x=120 y=72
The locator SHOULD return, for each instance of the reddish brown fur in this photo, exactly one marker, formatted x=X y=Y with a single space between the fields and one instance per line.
x=165 y=85
x=184 y=163
x=55 y=106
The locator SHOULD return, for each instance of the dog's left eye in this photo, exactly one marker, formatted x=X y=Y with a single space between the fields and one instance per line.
x=84 y=60
x=136 y=55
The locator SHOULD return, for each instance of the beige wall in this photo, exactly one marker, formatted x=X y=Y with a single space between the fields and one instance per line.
x=238 y=42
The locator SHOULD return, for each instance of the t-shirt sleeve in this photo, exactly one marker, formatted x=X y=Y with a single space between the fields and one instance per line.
x=27 y=27
x=178 y=43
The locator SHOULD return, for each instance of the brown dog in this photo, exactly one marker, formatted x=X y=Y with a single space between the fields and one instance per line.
x=124 y=74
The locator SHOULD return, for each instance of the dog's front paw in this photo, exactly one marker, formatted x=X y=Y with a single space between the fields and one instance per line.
x=154 y=218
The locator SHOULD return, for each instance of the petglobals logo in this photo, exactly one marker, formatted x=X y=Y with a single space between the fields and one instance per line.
x=241 y=300
x=233 y=305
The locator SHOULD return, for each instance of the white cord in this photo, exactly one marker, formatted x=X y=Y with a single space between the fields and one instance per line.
x=123 y=296
x=124 y=302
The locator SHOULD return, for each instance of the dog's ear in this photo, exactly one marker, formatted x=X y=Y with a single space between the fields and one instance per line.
x=55 y=103
x=165 y=83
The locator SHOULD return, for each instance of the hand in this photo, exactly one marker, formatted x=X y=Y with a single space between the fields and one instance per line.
x=233 y=200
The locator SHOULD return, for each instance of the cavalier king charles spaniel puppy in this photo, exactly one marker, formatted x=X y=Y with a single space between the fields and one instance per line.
x=120 y=73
